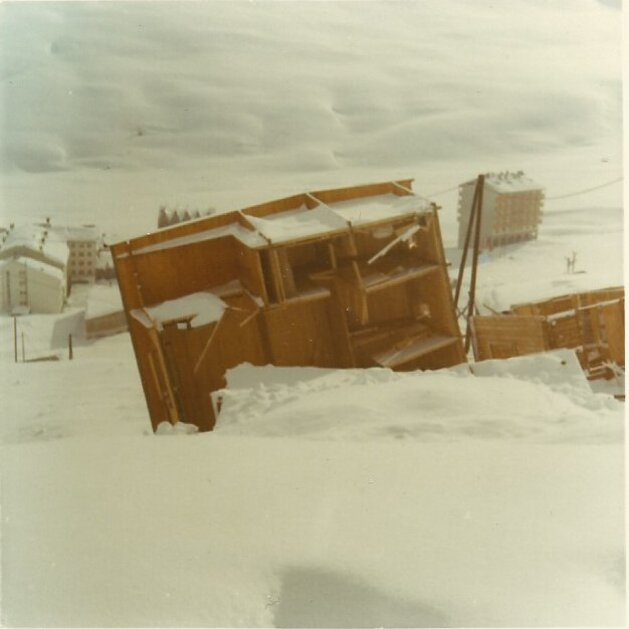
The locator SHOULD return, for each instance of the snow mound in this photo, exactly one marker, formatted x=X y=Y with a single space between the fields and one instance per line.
x=515 y=399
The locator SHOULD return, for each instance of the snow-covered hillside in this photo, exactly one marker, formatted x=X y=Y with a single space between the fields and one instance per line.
x=340 y=498
x=109 y=110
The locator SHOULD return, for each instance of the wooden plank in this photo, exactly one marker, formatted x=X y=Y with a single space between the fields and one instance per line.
x=250 y=270
x=208 y=344
x=359 y=192
x=398 y=356
x=276 y=274
x=276 y=207
x=286 y=272
x=332 y=254
x=374 y=283
x=168 y=395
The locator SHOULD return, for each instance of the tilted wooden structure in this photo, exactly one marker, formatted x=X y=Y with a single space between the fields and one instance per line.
x=353 y=277
x=593 y=323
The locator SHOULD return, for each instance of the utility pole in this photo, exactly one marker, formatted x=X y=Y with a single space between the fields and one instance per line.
x=468 y=235
x=15 y=336
x=70 y=355
x=23 y=355
x=471 y=306
x=474 y=225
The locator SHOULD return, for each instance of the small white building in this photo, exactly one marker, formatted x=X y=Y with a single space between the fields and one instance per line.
x=29 y=285
x=512 y=209
x=72 y=251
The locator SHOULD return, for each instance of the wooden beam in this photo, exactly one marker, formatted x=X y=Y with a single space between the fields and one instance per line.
x=208 y=344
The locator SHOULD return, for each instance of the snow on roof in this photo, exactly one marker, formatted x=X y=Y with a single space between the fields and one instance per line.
x=80 y=233
x=103 y=299
x=246 y=236
x=298 y=224
x=506 y=182
x=35 y=265
x=382 y=207
x=301 y=223
x=200 y=308
x=37 y=239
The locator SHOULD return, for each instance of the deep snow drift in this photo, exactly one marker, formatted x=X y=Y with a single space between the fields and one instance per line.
x=327 y=499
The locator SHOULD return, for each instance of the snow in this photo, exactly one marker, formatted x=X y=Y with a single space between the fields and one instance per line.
x=383 y=207
x=48 y=269
x=383 y=405
x=227 y=107
x=36 y=239
x=509 y=182
x=246 y=236
x=325 y=497
x=200 y=308
x=298 y=225
x=301 y=223
x=317 y=528
x=103 y=299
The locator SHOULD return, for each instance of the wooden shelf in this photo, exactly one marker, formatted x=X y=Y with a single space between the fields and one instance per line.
x=390 y=271
x=377 y=281
x=406 y=352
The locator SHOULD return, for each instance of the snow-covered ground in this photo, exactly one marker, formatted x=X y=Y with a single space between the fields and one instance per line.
x=340 y=498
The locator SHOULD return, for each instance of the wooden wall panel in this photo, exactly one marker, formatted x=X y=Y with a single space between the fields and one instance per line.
x=614 y=316
x=389 y=304
x=177 y=231
x=505 y=336
x=151 y=374
x=196 y=373
x=565 y=332
x=299 y=334
x=171 y=273
x=435 y=290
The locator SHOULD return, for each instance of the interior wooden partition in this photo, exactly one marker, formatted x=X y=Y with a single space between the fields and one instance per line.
x=360 y=291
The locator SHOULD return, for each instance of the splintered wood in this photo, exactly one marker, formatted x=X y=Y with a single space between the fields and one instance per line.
x=592 y=323
x=352 y=277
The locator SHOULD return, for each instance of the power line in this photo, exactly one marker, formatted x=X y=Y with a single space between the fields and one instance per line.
x=436 y=194
x=578 y=192
x=560 y=196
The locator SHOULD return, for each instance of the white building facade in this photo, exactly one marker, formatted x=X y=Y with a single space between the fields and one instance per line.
x=40 y=260
x=29 y=285
x=512 y=209
x=83 y=244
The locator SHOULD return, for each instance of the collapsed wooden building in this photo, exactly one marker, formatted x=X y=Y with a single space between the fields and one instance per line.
x=592 y=323
x=352 y=277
